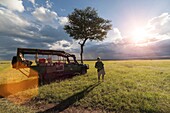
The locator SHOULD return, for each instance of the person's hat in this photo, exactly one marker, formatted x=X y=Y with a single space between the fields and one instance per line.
x=98 y=58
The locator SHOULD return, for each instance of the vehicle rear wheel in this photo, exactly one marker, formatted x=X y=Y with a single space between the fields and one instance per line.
x=41 y=80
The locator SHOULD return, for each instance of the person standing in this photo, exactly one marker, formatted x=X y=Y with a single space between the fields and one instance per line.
x=100 y=68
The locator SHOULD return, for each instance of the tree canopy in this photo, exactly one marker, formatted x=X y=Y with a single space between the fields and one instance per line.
x=85 y=24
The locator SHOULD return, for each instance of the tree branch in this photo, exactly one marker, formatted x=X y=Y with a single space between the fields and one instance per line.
x=84 y=41
x=82 y=44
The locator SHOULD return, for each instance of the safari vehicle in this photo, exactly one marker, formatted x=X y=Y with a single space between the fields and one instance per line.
x=58 y=64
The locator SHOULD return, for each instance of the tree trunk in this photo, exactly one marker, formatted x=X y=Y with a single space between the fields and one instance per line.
x=81 y=53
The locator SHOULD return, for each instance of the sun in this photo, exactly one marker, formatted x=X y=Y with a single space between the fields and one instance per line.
x=139 y=35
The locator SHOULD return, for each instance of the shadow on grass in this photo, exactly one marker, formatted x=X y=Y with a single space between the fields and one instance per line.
x=70 y=100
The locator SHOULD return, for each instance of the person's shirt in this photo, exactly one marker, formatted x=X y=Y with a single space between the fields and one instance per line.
x=99 y=65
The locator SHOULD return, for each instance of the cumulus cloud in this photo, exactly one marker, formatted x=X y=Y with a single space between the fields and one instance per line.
x=18 y=31
x=44 y=15
x=158 y=27
x=60 y=45
x=114 y=36
x=63 y=20
x=15 y=5
x=49 y=17
x=155 y=30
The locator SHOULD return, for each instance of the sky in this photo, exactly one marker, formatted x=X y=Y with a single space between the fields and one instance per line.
x=140 y=28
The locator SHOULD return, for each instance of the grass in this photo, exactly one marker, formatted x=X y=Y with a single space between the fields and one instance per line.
x=10 y=75
x=8 y=107
x=139 y=86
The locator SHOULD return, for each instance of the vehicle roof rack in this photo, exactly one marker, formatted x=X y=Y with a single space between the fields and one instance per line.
x=43 y=52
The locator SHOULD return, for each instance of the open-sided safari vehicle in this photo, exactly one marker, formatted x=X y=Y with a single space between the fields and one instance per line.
x=49 y=64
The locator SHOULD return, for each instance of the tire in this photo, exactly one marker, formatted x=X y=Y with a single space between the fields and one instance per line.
x=83 y=71
x=14 y=61
x=41 y=80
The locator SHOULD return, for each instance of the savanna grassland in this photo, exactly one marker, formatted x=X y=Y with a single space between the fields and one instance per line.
x=131 y=86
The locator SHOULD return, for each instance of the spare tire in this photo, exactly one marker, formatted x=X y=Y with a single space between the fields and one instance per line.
x=14 y=61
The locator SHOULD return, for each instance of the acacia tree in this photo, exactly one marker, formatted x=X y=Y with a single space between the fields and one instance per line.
x=85 y=24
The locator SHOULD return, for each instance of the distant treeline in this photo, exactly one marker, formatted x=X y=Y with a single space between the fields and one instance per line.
x=154 y=58
x=4 y=62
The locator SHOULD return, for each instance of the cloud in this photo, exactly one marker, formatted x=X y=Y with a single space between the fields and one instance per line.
x=49 y=4
x=63 y=20
x=60 y=45
x=42 y=28
x=44 y=15
x=158 y=49
x=116 y=46
x=25 y=31
x=32 y=1
x=17 y=31
x=20 y=40
x=114 y=36
x=158 y=27
x=11 y=23
x=15 y=5
x=54 y=33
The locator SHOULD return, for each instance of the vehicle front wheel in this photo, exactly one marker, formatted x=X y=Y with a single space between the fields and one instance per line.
x=83 y=71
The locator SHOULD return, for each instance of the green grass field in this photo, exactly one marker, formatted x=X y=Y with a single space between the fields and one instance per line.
x=134 y=86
